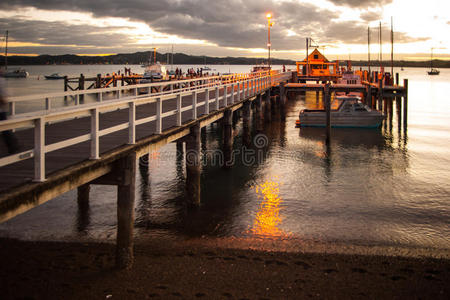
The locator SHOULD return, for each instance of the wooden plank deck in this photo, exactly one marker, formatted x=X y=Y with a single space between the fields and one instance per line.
x=22 y=172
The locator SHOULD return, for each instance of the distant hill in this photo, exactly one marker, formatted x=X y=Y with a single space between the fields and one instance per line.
x=181 y=58
x=136 y=58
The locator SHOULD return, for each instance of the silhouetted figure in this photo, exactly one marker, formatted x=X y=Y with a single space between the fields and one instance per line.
x=8 y=136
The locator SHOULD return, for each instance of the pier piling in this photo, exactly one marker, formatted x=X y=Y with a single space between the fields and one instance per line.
x=125 y=212
x=227 y=143
x=193 y=166
x=246 y=135
x=405 y=104
x=327 y=98
x=267 y=108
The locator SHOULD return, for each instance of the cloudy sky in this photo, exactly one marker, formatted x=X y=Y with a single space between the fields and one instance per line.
x=226 y=27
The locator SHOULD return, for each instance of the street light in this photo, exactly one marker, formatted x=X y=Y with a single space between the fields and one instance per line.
x=269 y=24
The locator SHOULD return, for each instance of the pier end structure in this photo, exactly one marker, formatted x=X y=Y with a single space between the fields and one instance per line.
x=117 y=166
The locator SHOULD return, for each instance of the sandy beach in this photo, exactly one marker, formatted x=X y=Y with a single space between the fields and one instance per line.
x=191 y=270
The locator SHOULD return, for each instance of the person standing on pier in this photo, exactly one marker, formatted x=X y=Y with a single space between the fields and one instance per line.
x=8 y=136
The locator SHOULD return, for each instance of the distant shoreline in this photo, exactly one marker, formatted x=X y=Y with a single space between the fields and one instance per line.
x=184 y=59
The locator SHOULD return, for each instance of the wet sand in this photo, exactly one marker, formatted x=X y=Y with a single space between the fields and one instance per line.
x=191 y=270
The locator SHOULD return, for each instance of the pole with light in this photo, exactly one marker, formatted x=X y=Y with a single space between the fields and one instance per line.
x=269 y=24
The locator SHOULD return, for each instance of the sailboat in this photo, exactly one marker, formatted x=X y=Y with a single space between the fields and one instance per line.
x=433 y=71
x=18 y=73
x=206 y=68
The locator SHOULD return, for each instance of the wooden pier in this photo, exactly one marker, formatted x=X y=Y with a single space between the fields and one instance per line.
x=101 y=142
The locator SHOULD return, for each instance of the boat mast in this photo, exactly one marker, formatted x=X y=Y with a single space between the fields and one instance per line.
x=6 y=51
x=171 y=65
x=431 y=59
x=392 y=47
x=368 y=47
x=307 y=58
x=381 y=51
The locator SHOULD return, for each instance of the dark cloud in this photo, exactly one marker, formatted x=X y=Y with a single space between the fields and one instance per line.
x=370 y=16
x=351 y=32
x=231 y=23
x=61 y=33
x=361 y=3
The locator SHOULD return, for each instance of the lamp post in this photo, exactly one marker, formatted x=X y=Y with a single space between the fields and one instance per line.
x=269 y=24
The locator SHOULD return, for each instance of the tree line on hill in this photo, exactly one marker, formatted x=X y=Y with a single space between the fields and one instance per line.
x=181 y=58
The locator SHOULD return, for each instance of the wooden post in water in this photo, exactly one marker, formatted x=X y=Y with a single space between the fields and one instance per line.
x=246 y=135
x=259 y=113
x=398 y=102
x=267 y=107
x=282 y=102
x=193 y=166
x=405 y=104
x=66 y=82
x=317 y=95
x=125 y=212
x=81 y=86
x=327 y=99
x=227 y=144
x=98 y=81
x=83 y=194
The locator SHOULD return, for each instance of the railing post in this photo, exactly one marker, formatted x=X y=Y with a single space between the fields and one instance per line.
x=225 y=95
x=194 y=105
x=179 y=110
x=132 y=123
x=39 y=150
x=238 y=94
x=12 y=108
x=95 y=134
x=207 y=101
x=48 y=104
x=100 y=96
x=232 y=94
x=158 y=115
x=217 y=98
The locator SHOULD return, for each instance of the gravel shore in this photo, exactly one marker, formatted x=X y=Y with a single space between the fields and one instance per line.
x=186 y=270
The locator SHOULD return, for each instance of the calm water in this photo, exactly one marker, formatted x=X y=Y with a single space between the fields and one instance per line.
x=370 y=187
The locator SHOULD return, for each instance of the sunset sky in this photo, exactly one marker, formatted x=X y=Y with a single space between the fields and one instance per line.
x=226 y=27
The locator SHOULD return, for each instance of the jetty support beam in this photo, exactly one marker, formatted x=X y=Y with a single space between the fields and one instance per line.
x=227 y=144
x=193 y=166
x=125 y=212
x=327 y=96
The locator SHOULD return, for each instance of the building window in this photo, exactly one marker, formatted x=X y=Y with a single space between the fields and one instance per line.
x=316 y=56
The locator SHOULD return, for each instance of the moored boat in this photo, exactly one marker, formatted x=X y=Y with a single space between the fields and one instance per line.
x=19 y=73
x=54 y=76
x=350 y=113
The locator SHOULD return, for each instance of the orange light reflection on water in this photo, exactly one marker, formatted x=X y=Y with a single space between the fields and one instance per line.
x=268 y=219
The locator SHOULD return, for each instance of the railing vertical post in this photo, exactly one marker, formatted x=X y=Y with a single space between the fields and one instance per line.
x=238 y=94
x=39 y=150
x=225 y=95
x=100 y=96
x=95 y=138
x=207 y=101
x=12 y=108
x=179 y=110
x=48 y=104
x=217 y=98
x=132 y=123
x=232 y=94
x=194 y=105
x=158 y=115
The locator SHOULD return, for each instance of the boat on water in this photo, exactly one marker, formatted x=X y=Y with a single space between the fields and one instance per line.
x=54 y=76
x=152 y=72
x=18 y=73
x=350 y=113
x=433 y=71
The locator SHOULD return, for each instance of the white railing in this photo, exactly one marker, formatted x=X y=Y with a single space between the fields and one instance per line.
x=242 y=86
